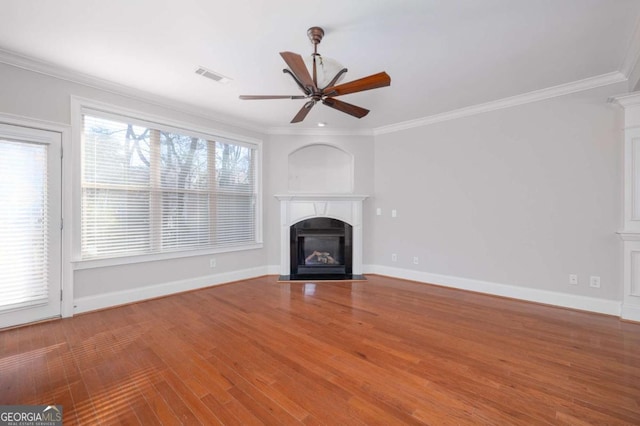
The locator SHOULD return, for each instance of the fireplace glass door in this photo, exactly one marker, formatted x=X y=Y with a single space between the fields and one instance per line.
x=321 y=246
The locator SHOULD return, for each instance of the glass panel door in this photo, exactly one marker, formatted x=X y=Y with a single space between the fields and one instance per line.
x=30 y=219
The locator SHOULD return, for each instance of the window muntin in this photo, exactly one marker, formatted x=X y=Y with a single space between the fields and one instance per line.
x=148 y=189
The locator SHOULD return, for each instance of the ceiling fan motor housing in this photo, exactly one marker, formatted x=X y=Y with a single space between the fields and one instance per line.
x=315 y=35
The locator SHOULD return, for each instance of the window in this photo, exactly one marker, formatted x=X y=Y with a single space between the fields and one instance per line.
x=148 y=188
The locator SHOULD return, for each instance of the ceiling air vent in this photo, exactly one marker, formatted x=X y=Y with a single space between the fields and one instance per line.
x=213 y=75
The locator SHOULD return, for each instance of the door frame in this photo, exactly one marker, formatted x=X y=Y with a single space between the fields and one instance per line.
x=66 y=278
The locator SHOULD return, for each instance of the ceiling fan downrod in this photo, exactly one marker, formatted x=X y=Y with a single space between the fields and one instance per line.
x=315 y=34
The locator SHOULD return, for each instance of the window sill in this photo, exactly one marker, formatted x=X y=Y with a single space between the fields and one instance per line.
x=127 y=260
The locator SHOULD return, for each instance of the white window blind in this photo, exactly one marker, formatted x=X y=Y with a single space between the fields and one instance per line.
x=23 y=225
x=148 y=189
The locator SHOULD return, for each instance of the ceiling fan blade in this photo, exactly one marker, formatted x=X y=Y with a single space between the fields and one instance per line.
x=350 y=109
x=299 y=69
x=374 y=81
x=303 y=112
x=257 y=97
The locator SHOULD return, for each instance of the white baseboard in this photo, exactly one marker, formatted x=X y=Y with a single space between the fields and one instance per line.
x=584 y=303
x=273 y=270
x=630 y=312
x=603 y=306
x=107 y=300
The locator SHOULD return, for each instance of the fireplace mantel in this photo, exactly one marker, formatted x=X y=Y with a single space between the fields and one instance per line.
x=301 y=206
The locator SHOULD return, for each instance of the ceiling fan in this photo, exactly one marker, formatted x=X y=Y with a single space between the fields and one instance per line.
x=318 y=86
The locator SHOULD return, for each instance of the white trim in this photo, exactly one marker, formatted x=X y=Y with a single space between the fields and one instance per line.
x=68 y=218
x=526 y=98
x=66 y=283
x=116 y=298
x=297 y=207
x=630 y=312
x=584 y=303
x=318 y=132
x=273 y=270
x=301 y=196
x=629 y=236
x=349 y=179
x=626 y=100
x=591 y=304
x=31 y=64
x=130 y=259
x=634 y=77
x=79 y=104
x=633 y=53
x=35 y=123
x=633 y=146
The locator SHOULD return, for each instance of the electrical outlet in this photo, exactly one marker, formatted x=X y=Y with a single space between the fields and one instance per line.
x=378 y=211
x=394 y=257
x=594 y=281
x=573 y=279
x=416 y=260
x=212 y=262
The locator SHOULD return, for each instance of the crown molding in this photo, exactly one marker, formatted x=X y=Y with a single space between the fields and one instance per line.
x=629 y=235
x=626 y=100
x=30 y=64
x=37 y=123
x=319 y=132
x=45 y=68
x=633 y=53
x=535 y=96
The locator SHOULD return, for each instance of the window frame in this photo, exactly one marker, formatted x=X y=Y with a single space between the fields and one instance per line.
x=80 y=106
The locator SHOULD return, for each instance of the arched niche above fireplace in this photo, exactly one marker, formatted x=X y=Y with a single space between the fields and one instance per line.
x=321 y=169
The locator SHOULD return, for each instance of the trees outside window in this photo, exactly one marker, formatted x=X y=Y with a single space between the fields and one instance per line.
x=150 y=190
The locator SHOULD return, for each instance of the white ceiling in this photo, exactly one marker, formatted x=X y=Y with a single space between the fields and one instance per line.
x=442 y=55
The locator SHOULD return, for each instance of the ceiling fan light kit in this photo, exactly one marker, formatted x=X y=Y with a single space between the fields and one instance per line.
x=318 y=79
x=326 y=68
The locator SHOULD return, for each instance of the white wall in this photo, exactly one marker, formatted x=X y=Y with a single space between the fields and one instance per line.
x=522 y=196
x=37 y=96
x=320 y=169
x=276 y=152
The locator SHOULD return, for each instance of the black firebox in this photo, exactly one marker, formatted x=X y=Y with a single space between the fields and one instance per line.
x=321 y=248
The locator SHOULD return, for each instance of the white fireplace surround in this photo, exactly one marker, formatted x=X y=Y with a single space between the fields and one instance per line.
x=297 y=207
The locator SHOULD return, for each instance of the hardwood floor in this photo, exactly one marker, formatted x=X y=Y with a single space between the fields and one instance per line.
x=383 y=351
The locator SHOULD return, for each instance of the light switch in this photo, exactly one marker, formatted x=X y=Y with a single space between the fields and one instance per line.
x=394 y=213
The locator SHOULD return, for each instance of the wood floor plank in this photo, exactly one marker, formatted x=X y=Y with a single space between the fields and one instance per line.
x=383 y=351
x=223 y=412
x=195 y=404
x=182 y=411
x=158 y=405
x=82 y=411
x=245 y=391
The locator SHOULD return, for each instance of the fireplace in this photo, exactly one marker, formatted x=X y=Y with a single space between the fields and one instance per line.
x=321 y=248
x=321 y=236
